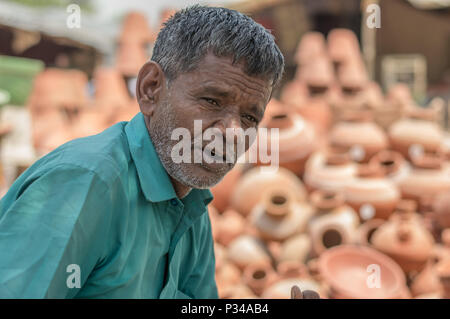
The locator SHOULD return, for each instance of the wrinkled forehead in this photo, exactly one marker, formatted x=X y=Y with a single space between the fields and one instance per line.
x=221 y=76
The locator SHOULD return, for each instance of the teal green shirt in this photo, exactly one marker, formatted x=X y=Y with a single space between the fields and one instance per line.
x=106 y=204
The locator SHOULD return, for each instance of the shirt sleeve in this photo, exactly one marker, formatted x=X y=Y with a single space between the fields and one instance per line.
x=202 y=282
x=53 y=234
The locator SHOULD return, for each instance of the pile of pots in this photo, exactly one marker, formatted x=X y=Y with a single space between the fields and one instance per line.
x=360 y=204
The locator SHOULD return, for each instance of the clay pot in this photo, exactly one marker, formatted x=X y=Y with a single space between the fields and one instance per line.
x=279 y=215
x=250 y=187
x=228 y=275
x=404 y=238
x=259 y=276
x=220 y=253
x=428 y=177
x=294 y=93
x=441 y=207
x=245 y=249
x=352 y=77
x=111 y=92
x=295 y=248
x=349 y=270
x=342 y=46
x=415 y=131
x=366 y=231
x=231 y=224
x=239 y=291
x=297 y=140
x=311 y=44
x=336 y=227
x=357 y=130
x=223 y=190
x=318 y=113
x=329 y=170
x=135 y=28
x=317 y=74
x=290 y=274
x=131 y=56
x=392 y=165
x=371 y=194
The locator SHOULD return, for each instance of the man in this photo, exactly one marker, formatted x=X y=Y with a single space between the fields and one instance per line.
x=113 y=215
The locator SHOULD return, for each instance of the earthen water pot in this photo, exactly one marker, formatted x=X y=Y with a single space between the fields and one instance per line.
x=392 y=165
x=329 y=170
x=441 y=208
x=250 y=187
x=292 y=274
x=296 y=140
x=318 y=75
x=371 y=194
x=413 y=131
x=296 y=248
x=335 y=224
x=223 y=190
x=311 y=44
x=231 y=224
x=352 y=77
x=406 y=240
x=246 y=249
x=228 y=275
x=342 y=46
x=351 y=270
x=258 y=276
x=357 y=130
x=318 y=113
x=279 y=215
x=366 y=231
x=429 y=176
x=294 y=93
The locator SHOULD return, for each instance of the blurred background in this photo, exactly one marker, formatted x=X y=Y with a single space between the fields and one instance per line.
x=360 y=207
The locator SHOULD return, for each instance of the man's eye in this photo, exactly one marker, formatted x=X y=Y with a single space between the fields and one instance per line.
x=211 y=101
x=251 y=118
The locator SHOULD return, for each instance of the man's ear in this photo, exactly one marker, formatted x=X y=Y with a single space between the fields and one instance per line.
x=149 y=87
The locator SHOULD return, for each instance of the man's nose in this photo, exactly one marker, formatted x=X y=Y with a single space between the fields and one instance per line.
x=233 y=124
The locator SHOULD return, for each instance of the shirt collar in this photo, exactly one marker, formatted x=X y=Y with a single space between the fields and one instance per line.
x=153 y=178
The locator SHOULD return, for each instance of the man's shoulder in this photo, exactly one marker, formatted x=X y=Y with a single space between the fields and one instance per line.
x=106 y=154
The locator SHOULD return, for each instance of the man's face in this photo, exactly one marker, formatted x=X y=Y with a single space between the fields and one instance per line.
x=219 y=94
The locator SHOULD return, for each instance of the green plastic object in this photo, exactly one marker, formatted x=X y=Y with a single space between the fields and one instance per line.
x=16 y=77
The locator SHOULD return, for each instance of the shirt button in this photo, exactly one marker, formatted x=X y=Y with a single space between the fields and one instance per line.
x=174 y=202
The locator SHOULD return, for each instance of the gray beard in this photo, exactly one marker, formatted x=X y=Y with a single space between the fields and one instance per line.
x=160 y=132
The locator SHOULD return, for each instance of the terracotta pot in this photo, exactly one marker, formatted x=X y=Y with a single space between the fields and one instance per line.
x=337 y=227
x=239 y=291
x=342 y=46
x=220 y=253
x=428 y=177
x=294 y=93
x=371 y=194
x=415 y=132
x=289 y=278
x=296 y=248
x=297 y=140
x=223 y=190
x=317 y=74
x=311 y=44
x=228 y=275
x=404 y=238
x=441 y=207
x=259 y=276
x=357 y=130
x=427 y=281
x=366 y=231
x=250 y=187
x=131 y=56
x=245 y=249
x=392 y=165
x=111 y=92
x=400 y=95
x=352 y=77
x=349 y=270
x=279 y=216
x=328 y=170
x=135 y=28
x=318 y=113
x=231 y=224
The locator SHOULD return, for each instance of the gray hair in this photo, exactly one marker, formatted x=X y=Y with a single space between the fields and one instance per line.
x=192 y=32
